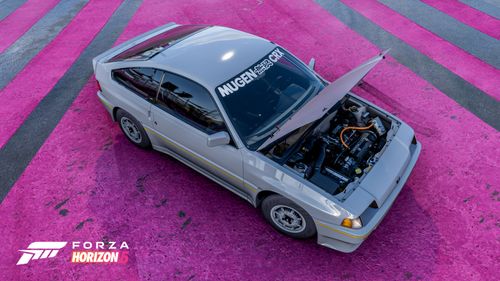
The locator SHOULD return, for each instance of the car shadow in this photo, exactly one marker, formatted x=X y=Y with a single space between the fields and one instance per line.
x=180 y=224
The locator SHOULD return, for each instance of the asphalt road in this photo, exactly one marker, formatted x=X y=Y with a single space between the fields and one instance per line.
x=68 y=174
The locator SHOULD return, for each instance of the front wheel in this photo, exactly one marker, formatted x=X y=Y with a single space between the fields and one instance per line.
x=132 y=129
x=287 y=217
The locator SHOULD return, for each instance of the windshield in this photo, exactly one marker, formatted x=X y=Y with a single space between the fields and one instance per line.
x=263 y=96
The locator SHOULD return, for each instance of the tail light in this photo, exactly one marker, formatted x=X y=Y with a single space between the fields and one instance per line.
x=414 y=140
x=98 y=86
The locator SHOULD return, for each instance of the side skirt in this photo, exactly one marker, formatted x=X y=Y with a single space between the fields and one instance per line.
x=204 y=172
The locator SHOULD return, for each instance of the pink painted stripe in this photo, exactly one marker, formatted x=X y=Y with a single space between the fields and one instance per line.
x=446 y=212
x=23 y=93
x=468 y=15
x=463 y=64
x=16 y=24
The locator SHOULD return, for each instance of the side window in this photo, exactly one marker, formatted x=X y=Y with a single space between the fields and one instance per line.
x=190 y=102
x=142 y=81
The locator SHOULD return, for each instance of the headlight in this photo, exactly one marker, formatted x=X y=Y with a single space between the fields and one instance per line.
x=352 y=223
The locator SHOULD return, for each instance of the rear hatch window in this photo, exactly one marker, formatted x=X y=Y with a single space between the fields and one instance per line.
x=157 y=44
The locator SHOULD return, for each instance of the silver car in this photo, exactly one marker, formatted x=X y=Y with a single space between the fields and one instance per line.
x=243 y=111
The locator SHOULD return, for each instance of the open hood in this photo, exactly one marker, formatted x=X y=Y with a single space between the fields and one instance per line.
x=323 y=101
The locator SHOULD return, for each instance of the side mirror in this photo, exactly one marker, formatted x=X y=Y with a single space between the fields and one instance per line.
x=312 y=62
x=219 y=138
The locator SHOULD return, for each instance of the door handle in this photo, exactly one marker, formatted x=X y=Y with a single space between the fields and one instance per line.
x=150 y=117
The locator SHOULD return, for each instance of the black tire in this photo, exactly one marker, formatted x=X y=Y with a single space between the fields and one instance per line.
x=273 y=204
x=127 y=122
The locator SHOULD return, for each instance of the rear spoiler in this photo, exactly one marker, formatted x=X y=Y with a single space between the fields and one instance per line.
x=104 y=57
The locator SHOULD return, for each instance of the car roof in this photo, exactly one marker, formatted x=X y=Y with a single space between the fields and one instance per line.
x=213 y=55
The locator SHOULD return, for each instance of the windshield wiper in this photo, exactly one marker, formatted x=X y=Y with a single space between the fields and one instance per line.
x=276 y=128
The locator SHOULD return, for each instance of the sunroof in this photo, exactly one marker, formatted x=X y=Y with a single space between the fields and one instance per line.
x=157 y=44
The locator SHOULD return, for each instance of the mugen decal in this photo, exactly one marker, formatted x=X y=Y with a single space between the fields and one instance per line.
x=250 y=74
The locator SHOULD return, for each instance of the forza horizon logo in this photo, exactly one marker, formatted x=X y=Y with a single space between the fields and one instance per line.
x=40 y=250
x=82 y=252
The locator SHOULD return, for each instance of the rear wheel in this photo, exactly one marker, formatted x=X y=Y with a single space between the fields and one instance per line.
x=132 y=129
x=287 y=217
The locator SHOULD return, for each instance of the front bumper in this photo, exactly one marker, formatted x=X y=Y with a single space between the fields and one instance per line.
x=347 y=240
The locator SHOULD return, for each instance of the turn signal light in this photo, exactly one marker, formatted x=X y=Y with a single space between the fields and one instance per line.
x=352 y=223
x=347 y=223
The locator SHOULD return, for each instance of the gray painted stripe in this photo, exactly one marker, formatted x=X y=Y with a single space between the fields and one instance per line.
x=471 y=98
x=24 y=144
x=495 y=3
x=467 y=38
x=9 y=6
x=491 y=8
x=15 y=58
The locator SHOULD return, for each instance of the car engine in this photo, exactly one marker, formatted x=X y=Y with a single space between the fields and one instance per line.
x=338 y=150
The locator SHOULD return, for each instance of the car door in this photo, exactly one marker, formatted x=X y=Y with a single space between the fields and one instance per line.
x=141 y=85
x=185 y=115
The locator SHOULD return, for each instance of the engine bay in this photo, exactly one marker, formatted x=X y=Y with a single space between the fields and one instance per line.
x=338 y=149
